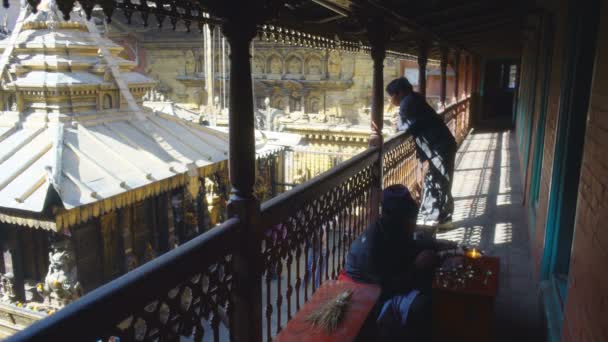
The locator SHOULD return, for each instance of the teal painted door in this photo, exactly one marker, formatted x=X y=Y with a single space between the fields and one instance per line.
x=539 y=136
x=579 y=58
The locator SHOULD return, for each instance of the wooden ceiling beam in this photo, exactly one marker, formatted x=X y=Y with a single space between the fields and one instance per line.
x=452 y=10
x=333 y=7
x=498 y=25
x=476 y=20
x=487 y=34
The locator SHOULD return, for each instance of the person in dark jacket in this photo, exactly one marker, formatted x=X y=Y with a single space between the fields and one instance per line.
x=434 y=143
x=386 y=254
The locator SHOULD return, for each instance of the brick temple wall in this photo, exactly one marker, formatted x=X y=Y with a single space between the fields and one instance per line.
x=538 y=239
x=586 y=312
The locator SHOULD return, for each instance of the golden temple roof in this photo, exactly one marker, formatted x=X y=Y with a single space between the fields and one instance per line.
x=73 y=133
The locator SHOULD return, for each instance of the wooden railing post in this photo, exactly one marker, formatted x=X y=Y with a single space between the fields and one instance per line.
x=456 y=73
x=377 y=39
x=246 y=313
x=422 y=61
x=467 y=59
x=444 y=67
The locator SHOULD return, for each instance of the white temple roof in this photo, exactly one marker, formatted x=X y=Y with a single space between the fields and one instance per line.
x=265 y=141
x=99 y=157
x=63 y=150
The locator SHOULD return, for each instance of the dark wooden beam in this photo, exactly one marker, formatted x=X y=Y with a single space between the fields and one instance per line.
x=497 y=25
x=480 y=19
x=455 y=10
x=465 y=39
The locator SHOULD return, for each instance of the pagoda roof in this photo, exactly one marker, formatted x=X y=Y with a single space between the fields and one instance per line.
x=96 y=157
x=64 y=160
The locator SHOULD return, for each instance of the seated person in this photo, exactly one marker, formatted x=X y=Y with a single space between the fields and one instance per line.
x=386 y=254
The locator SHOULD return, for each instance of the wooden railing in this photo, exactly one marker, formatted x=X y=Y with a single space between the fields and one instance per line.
x=189 y=291
x=307 y=233
x=183 y=292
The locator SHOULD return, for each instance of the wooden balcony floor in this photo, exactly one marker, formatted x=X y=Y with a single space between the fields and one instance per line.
x=488 y=213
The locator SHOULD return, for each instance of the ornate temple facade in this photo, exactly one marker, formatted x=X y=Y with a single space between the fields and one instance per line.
x=93 y=183
x=321 y=95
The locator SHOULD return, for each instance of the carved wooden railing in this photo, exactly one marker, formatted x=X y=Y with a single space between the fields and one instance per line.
x=190 y=291
x=308 y=232
x=400 y=165
x=186 y=292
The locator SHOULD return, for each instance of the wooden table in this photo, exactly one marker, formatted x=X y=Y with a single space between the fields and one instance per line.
x=465 y=312
x=362 y=302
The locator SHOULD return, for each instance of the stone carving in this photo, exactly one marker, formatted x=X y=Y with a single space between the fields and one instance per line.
x=189 y=66
x=131 y=262
x=107 y=75
x=294 y=66
x=280 y=104
x=149 y=253
x=314 y=66
x=262 y=187
x=301 y=176
x=334 y=64
x=314 y=105
x=7 y=286
x=154 y=95
x=275 y=65
x=258 y=65
x=198 y=61
x=214 y=201
x=61 y=284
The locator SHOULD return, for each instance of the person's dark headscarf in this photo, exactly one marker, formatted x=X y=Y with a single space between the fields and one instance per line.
x=399 y=84
x=398 y=205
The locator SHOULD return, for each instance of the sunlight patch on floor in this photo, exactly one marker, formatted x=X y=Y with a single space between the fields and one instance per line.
x=503 y=199
x=469 y=208
x=503 y=233
x=469 y=236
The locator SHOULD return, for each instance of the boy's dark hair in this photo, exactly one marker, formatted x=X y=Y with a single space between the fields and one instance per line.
x=397 y=200
x=399 y=84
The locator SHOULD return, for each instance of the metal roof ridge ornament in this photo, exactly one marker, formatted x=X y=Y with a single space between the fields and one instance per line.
x=52 y=18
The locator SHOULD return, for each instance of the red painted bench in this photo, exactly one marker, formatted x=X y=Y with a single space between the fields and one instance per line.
x=362 y=302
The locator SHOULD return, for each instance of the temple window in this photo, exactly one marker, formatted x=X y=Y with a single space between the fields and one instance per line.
x=107 y=101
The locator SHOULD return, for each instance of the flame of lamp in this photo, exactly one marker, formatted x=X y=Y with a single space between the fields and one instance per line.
x=473 y=254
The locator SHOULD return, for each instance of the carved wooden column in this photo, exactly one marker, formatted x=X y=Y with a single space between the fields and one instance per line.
x=378 y=52
x=467 y=74
x=377 y=39
x=422 y=61
x=246 y=317
x=444 y=69
x=456 y=73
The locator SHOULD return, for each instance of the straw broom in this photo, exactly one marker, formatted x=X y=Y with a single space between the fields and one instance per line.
x=330 y=315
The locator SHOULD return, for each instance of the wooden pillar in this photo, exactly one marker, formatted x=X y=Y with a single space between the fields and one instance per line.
x=377 y=39
x=162 y=215
x=13 y=261
x=467 y=60
x=444 y=69
x=456 y=73
x=378 y=52
x=246 y=319
x=125 y=218
x=422 y=61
